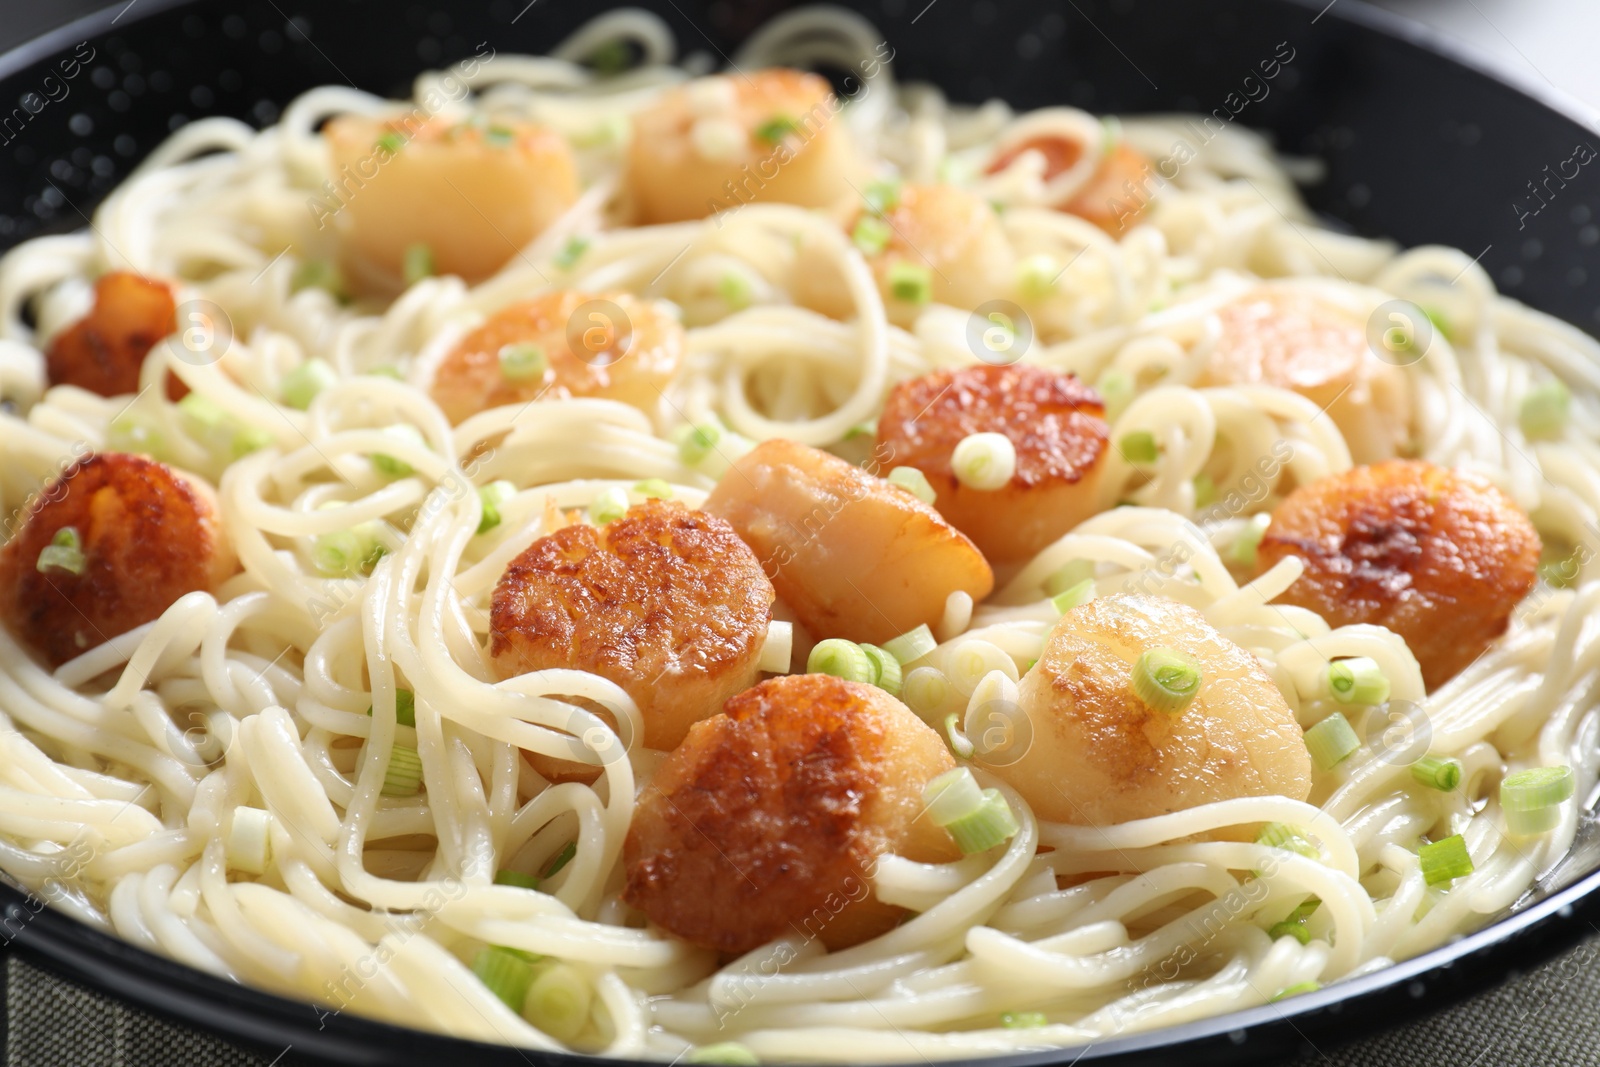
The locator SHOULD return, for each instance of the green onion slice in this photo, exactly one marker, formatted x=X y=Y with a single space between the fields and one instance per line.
x=1166 y=680
x=1544 y=410
x=558 y=1001
x=301 y=385
x=1331 y=741
x=492 y=496
x=951 y=796
x=1297 y=931
x=403 y=778
x=417 y=264
x=925 y=689
x=911 y=645
x=1358 y=680
x=1532 y=799
x=63 y=553
x=1069 y=575
x=1139 y=447
x=842 y=659
x=506 y=974
x=885 y=669
x=1023 y=1020
x=871 y=235
x=1076 y=596
x=914 y=482
x=993 y=823
x=911 y=283
x=1287 y=837
x=1296 y=989
x=522 y=362
x=1437 y=773
x=562 y=858
x=609 y=506
x=1444 y=861
x=517 y=879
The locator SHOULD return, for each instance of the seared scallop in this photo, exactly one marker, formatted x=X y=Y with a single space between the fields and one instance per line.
x=562 y=344
x=1296 y=342
x=104 y=351
x=144 y=535
x=1055 y=423
x=1439 y=556
x=769 y=818
x=1114 y=197
x=666 y=602
x=852 y=555
x=769 y=136
x=1100 y=755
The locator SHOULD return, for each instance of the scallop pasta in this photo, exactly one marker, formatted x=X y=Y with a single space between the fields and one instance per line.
x=611 y=555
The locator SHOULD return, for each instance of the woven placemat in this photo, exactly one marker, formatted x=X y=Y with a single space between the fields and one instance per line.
x=1549 y=1017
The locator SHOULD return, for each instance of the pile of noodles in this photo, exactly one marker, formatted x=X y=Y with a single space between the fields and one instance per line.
x=119 y=772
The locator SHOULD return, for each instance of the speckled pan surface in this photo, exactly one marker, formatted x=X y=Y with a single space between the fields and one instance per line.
x=1420 y=146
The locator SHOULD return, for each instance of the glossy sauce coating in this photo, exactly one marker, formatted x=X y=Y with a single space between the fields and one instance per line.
x=476 y=195
x=104 y=351
x=767 y=136
x=1055 y=423
x=666 y=602
x=852 y=555
x=588 y=351
x=769 y=819
x=1099 y=755
x=149 y=535
x=1439 y=556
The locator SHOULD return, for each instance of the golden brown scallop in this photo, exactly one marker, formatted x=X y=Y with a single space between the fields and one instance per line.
x=474 y=193
x=769 y=819
x=1296 y=342
x=940 y=234
x=1113 y=198
x=104 y=351
x=852 y=555
x=1099 y=755
x=768 y=136
x=1056 y=424
x=584 y=349
x=666 y=602
x=148 y=534
x=1439 y=556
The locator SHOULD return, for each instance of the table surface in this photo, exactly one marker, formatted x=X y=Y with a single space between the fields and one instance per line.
x=1546 y=1018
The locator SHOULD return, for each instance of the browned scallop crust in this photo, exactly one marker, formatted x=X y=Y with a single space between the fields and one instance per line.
x=665 y=601
x=104 y=351
x=1055 y=422
x=630 y=361
x=1439 y=556
x=769 y=818
x=1289 y=341
x=149 y=534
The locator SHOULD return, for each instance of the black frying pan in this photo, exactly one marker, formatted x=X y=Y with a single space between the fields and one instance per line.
x=1421 y=146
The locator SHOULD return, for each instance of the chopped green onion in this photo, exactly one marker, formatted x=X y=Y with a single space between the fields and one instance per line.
x=1076 y=596
x=914 y=482
x=925 y=690
x=417 y=264
x=1023 y=1020
x=778 y=650
x=1139 y=447
x=613 y=57
x=983 y=829
x=911 y=283
x=301 y=385
x=885 y=669
x=571 y=252
x=1037 y=276
x=220 y=433
x=1560 y=571
x=1439 y=321
x=1436 y=773
x=391 y=142
x=1305 y=910
x=1544 y=410
x=347 y=553
x=1296 y=989
x=960 y=744
x=1243 y=549
x=135 y=431
x=953 y=795
x=883 y=195
x=1205 y=490
x=405 y=707
x=698 y=442
x=984 y=461
x=491 y=496
x=499 y=136
x=389 y=465
x=562 y=858
x=723 y=1053
x=1532 y=799
x=385 y=370
x=319 y=274
x=403 y=777
x=734 y=289
x=871 y=235
x=842 y=659
x=521 y=363
x=1287 y=837
x=776 y=129
x=1445 y=861
x=911 y=645
x=1116 y=389
x=653 y=489
x=558 y=1001
x=1297 y=931
x=1357 y=680
x=1069 y=575
x=517 y=879
x=609 y=506
x=1331 y=741
x=63 y=553
x=506 y=974
x=1166 y=680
